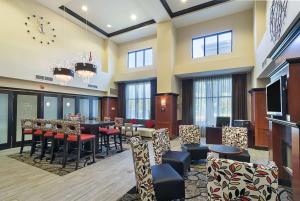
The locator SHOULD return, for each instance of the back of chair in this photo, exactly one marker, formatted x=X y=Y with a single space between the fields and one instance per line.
x=161 y=143
x=48 y=125
x=71 y=128
x=234 y=180
x=119 y=122
x=58 y=126
x=106 y=119
x=235 y=136
x=38 y=124
x=142 y=168
x=26 y=124
x=189 y=134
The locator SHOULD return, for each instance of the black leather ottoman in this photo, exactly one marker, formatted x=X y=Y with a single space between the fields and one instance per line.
x=179 y=160
x=197 y=151
x=243 y=157
x=168 y=184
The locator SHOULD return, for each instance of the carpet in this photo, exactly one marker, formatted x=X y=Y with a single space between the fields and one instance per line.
x=195 y=187
x=56 y=166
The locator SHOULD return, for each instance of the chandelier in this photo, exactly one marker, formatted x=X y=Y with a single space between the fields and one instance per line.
x=63 y=74
x=86 y=69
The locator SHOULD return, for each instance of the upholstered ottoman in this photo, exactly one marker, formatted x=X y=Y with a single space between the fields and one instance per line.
x=197 y=151
x=168 y=184
x=179 y=160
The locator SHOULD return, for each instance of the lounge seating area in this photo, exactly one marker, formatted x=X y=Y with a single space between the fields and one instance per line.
x=149 y=100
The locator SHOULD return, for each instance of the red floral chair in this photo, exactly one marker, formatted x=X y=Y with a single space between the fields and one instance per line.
x=234 y=180
x=27 y=129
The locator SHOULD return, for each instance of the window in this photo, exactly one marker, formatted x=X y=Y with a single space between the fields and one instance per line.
x=220 y=43
x=212 y=98
x=138 y=100
x=140 y=58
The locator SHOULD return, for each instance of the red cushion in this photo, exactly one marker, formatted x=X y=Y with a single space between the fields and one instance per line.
x=48 y=134
x=27 y=131
x=133 y=121
x=103 y=130
x=59 y=136
x=83 y=137
x=38 y=132
x=149 y=124
x=113 y=131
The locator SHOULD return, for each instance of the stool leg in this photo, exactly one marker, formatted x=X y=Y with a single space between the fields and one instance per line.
x=43 y=148
x=101 y=142
x=65 y=157
x=22 y=143
x=52 y=149
x=115 y=141
x=120 y=138
x=78 y=154
x=32 y=145
x=107 y=144
x=93 y=149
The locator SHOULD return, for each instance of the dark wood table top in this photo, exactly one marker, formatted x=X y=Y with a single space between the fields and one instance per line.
x=224 y=149
x=95 y=122
x=137 y=125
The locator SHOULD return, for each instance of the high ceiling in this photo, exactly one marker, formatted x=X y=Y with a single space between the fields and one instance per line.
x=125 y=20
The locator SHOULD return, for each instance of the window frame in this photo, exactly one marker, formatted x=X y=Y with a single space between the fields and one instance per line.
x=135 y=54
x=204 y=44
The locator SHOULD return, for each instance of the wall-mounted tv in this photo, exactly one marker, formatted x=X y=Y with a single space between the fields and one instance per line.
x=276 y=97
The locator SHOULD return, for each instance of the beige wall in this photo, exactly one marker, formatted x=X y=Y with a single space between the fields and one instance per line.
x=123 y=73
x=242 y=54
x=266 y=45
x=22 y=57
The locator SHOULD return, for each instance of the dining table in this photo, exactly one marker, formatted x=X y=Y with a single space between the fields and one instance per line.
x=92 y=127
x=225 y=150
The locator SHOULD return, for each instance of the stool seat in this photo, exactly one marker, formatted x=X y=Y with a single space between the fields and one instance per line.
x=179 y=160
x=38 y=132
x=83 y=137
x=27 y=131
x=197 y=151
x=168 y=184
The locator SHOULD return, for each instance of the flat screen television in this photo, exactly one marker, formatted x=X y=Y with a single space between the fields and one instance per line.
x=276 y=97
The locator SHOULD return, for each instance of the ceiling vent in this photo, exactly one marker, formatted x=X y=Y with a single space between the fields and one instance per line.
x=92 y=86
x=45 y=78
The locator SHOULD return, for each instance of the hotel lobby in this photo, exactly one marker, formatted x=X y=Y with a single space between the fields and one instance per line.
x=144 y=100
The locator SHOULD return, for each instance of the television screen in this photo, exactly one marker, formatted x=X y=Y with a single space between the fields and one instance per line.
x=274 y=98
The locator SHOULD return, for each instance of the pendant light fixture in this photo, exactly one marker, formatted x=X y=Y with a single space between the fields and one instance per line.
x=63 y=72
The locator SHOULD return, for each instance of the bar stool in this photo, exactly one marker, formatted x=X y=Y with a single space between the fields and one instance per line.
x=57 y=137
x=27 y=129
x=38 y=126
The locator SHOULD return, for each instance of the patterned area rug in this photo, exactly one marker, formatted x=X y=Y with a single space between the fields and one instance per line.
x=195 y=187
x=56 y=166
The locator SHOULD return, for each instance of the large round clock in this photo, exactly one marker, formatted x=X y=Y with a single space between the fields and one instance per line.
x=40 y=29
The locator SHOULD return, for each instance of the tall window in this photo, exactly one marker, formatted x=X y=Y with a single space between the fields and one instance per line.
x=140 y=58
x=219 y=43
x=138 y=100
x=212 y=98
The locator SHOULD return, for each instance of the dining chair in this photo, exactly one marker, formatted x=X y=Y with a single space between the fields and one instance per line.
x=189 y=136
x=46 y=136
x=179 y=160
x=237 y=137
x=235 y=180
x=38 y=126
x=57 y=138
x=159 y=182
x=27 y=130
x=72 y=134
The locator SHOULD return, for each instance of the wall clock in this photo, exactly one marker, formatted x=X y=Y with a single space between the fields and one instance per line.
x=277 y=16
x=40 y=29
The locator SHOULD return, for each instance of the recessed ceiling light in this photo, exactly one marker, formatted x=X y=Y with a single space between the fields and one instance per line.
x=109 y=26
x=133 y=16
x=183 y=1
x=84 y=8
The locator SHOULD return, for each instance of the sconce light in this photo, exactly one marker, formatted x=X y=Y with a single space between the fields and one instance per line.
x=163 y=104
x=113 y=108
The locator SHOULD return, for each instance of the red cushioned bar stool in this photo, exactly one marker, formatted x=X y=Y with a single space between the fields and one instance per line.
x=57 y=137
x=38 y=125
x=73 y=135
x=48 y=134
x=27 y=130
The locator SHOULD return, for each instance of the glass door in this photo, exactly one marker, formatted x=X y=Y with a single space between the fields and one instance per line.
x=84 y=107
x=68 y=106
x=27 y=105
x=96 y=109
x=4 y=120
x=50 y=107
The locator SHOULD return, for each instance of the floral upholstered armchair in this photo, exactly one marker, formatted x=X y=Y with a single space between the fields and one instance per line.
x=161 y=143
x=189 y=134
x=233 y=180
x=235 y=136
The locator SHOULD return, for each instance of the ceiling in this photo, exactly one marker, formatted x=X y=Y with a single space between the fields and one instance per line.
x=113 y=18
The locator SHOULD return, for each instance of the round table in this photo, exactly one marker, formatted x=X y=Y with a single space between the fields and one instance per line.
x=225 y=150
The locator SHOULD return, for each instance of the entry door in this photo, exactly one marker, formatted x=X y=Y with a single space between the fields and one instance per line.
x=27 y=107
x=5 y=119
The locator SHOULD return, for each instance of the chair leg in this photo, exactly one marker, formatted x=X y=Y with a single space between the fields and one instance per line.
x=32 y=145
x=43 y=148
x=120 y=138
x=22 y=143
x=78 y=154
x=115 y=141
x=52 y=149
x=65 y=157
x=101 y=142
x=93 y=149
x=107 y=144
